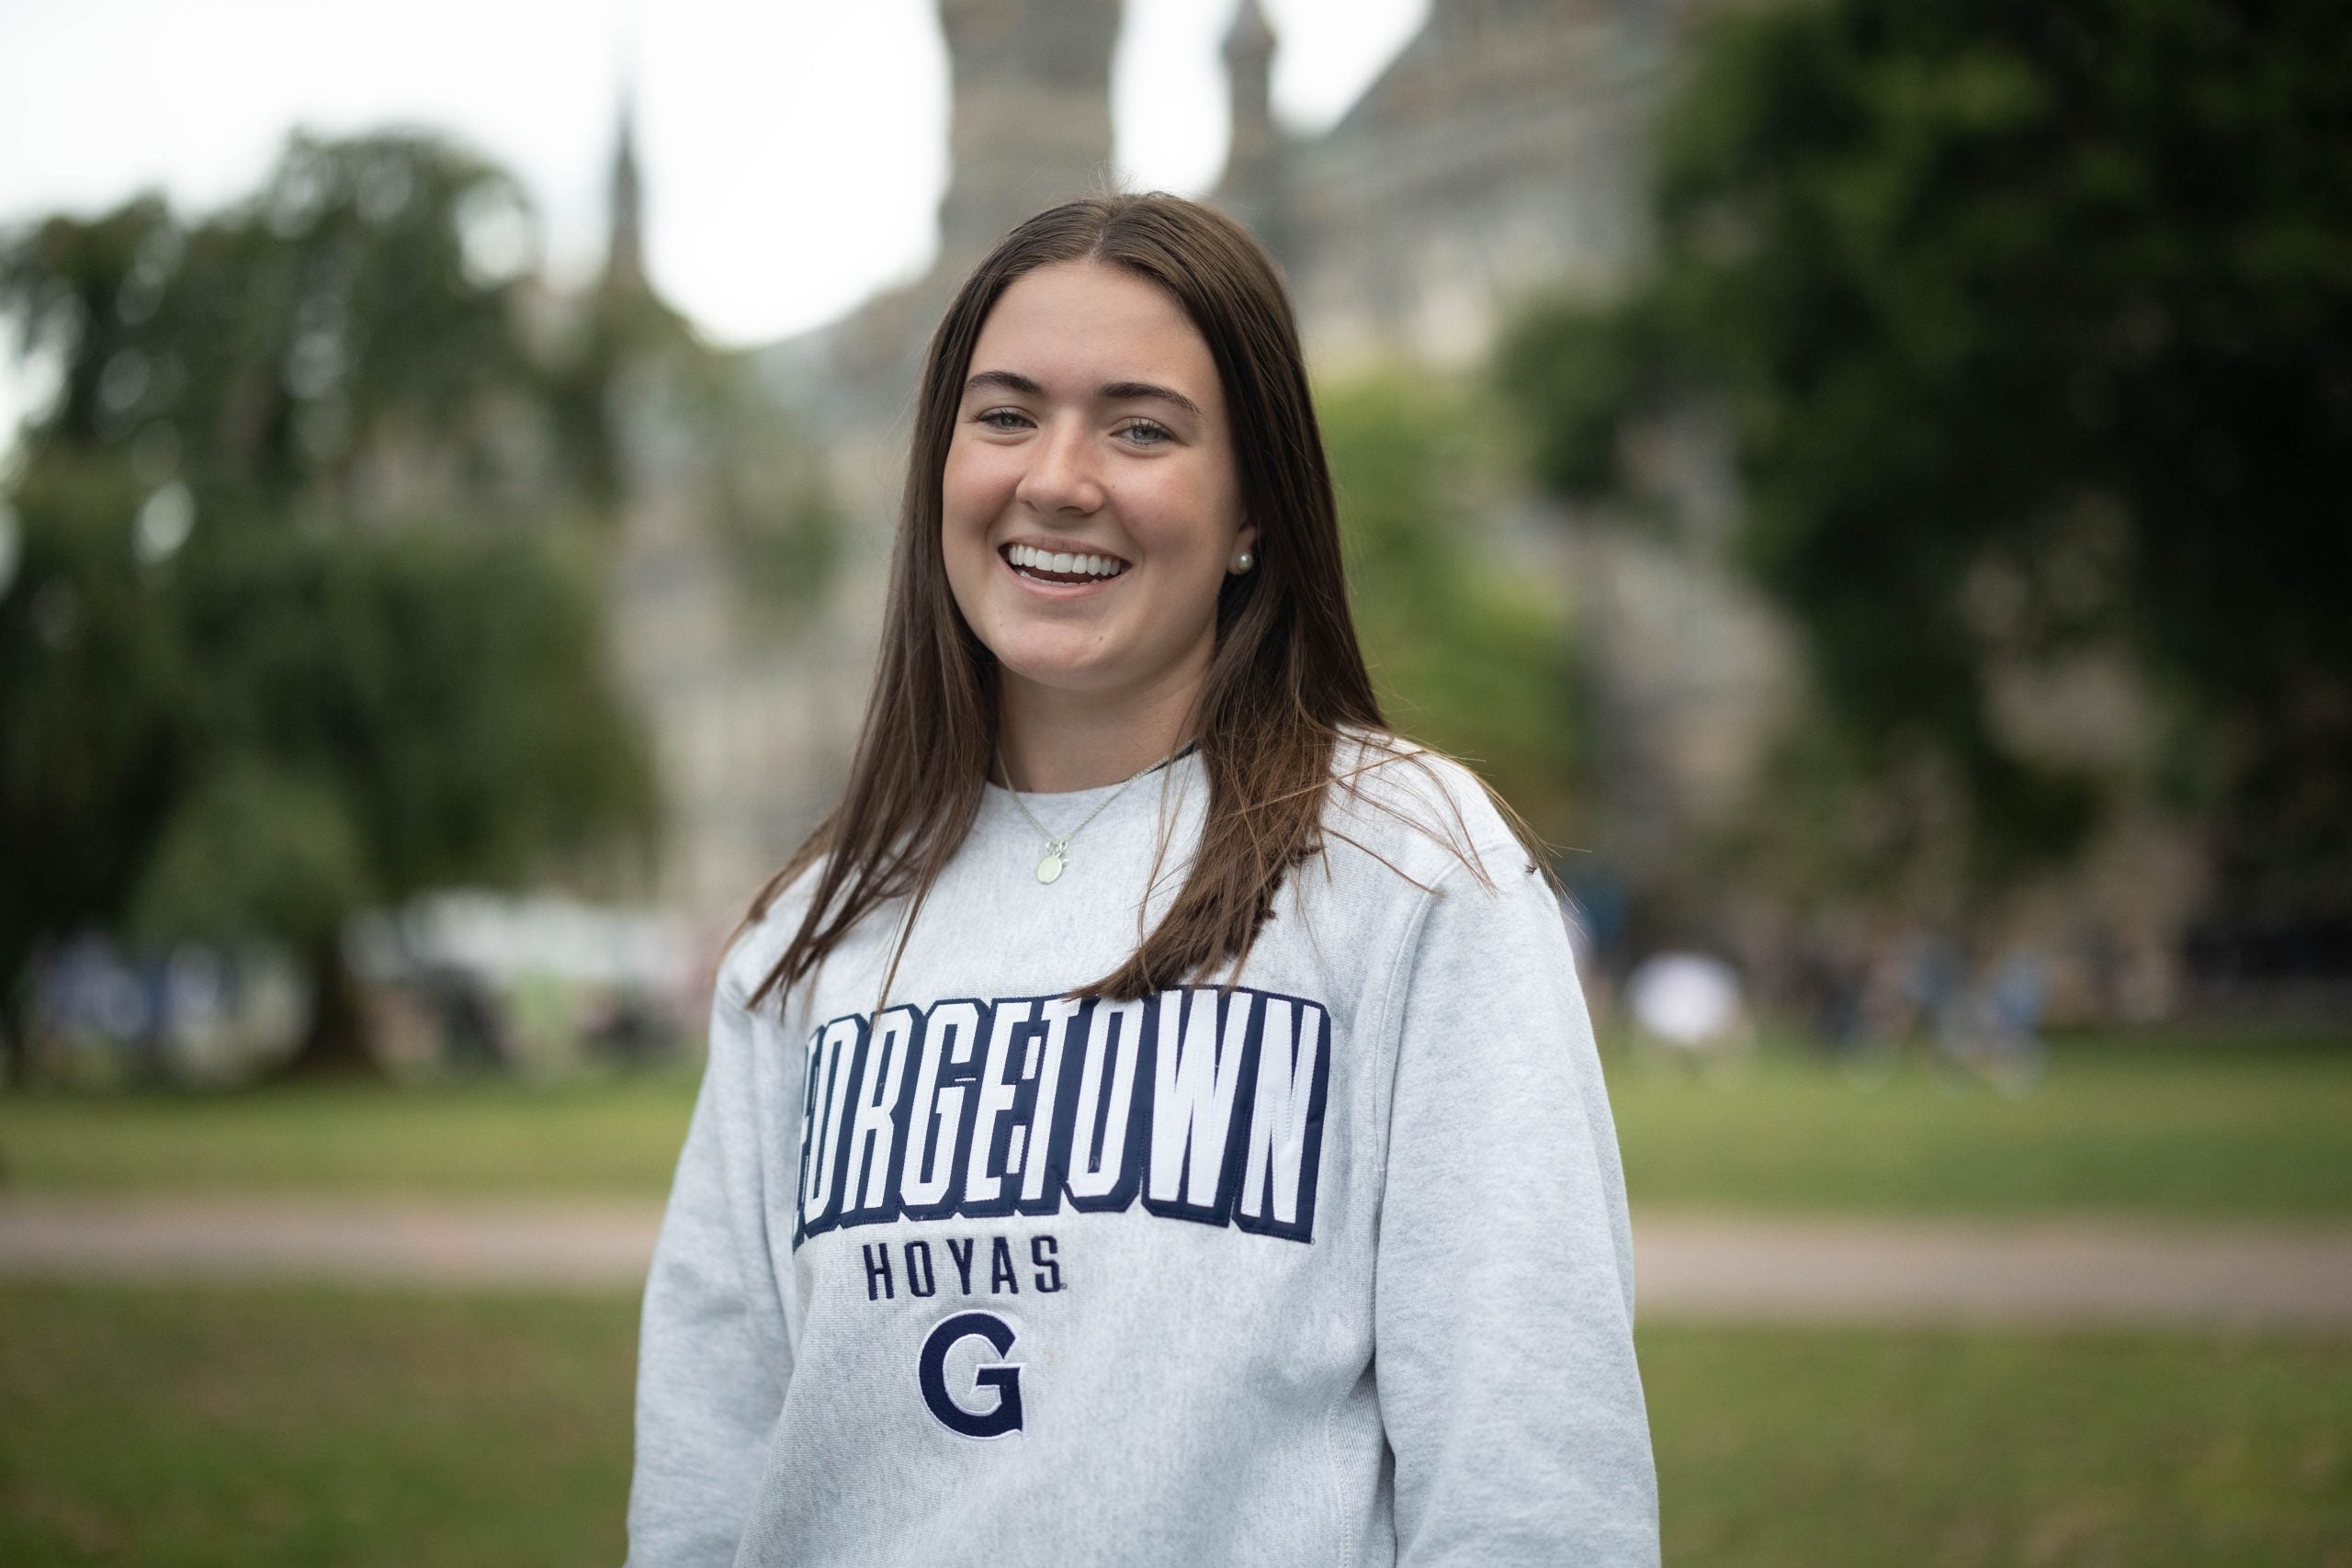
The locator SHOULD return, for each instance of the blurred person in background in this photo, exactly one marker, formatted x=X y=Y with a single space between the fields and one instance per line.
x=1692 y=1004
x=1155 y=1117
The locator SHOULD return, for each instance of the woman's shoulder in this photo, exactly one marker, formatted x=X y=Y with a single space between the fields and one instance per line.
x=772 y=920
x=1417 y=811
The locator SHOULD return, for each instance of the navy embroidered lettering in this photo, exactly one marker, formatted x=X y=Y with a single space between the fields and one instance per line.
x=873 y=1133
x=1285 y=1121
x=828 y=1073
x=1207 y=1104
x=1045 y=1252
x=1195 y=1076
x=983 y=1174
x=927 y=1180
x=1042 y=1170
x=962 y=1258
x=1003 y=1282
x=1102 y=1132
x=1004 y=1377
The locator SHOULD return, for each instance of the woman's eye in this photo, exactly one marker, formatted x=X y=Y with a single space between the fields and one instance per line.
x=1146 y=431
x=1001 y=419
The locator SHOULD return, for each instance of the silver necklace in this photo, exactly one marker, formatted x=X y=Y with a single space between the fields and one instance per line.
x=1057 y=848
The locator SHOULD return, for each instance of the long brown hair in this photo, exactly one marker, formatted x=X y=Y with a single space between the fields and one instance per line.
x=1285 y=678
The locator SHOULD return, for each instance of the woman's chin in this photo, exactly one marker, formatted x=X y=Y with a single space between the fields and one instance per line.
x=1092 y=663
x=1074 y=677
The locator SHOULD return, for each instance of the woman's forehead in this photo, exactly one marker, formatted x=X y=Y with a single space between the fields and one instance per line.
x=1076 y=328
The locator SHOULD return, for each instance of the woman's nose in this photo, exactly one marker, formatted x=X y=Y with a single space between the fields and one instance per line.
x=1061 y=476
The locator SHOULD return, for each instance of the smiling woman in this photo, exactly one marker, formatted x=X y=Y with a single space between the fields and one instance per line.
x=1090 y=517
x=1232 y=1181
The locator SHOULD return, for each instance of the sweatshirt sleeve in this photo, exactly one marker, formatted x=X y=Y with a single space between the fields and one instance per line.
x=712 y=1359
x=1503 y=1298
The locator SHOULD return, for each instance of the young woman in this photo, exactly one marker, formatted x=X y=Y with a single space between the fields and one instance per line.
x=1154 y=1119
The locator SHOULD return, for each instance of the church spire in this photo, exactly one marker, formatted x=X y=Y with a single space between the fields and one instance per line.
x=625 y=252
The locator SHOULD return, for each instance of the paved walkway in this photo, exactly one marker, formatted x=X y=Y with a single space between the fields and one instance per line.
x=588 y=1246
x=1691 y=1267
x=1962 y=1272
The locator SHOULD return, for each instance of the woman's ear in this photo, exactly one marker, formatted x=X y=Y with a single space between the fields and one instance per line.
x=1244 y=557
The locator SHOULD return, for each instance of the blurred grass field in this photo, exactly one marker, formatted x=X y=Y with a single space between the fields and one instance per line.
x=2197 y=1129
x=487 y=1138
x=264 y=1425
x=2193 y=1127
x=171 y=1426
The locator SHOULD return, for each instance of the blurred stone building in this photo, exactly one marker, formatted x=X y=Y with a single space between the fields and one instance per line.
x=1500 y=153
x=740 y=680
x=1503 y=154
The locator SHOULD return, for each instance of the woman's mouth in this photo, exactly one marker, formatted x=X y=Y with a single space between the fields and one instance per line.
x=1062 y=567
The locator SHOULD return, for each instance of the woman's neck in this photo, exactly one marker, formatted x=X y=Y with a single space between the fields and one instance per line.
x=1053 y=741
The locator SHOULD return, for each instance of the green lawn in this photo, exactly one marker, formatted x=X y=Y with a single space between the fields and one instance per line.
x=2199 y=1130
x=252 y=1427
x=615 y=1138
x=1847 y=1449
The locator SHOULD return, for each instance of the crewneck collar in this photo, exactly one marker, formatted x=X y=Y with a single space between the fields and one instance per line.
x=1143 y=781
x=1173 y=781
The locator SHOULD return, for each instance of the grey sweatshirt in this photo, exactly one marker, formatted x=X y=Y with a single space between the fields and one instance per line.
x=1330 y=1266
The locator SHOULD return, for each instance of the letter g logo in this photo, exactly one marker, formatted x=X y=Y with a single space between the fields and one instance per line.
x=1004 y=1377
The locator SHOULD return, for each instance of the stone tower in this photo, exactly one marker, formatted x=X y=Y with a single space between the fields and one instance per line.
x=1502 y=153
x=1030 y=120
x=1256 y=161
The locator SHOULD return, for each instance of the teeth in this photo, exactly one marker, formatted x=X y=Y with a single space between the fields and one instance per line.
x=1064 y=561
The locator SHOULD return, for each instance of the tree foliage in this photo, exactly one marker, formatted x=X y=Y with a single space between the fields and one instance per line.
x=305 y=619
x=2035 y=324
x=1465 y=655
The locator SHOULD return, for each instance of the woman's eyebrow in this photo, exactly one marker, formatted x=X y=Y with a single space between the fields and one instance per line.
x=1114 y=391
x=1127 y=391
x=1012 y=381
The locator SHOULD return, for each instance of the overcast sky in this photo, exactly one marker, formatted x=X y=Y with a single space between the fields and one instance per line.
x=794 y=151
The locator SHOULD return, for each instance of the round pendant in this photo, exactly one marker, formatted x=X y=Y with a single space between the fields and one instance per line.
x=1050 y=867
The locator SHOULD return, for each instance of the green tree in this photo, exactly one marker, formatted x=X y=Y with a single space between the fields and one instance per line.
x=2034 y=323
x=1467 y=655
x=305 y=619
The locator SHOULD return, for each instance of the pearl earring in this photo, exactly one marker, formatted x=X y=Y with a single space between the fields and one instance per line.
x=1244 y=561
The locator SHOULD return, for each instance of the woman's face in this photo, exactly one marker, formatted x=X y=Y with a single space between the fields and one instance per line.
x=1090 y=508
